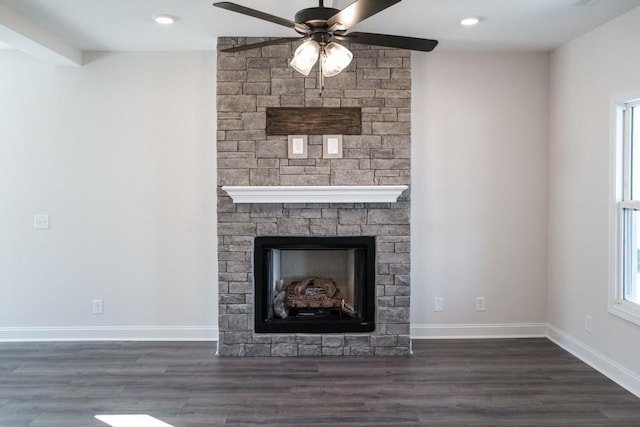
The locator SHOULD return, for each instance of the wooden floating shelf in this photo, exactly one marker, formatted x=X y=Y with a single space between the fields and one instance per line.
x=314 y=121
x=315 y=194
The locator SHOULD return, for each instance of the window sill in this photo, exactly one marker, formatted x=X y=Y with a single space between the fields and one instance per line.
x=627 y=311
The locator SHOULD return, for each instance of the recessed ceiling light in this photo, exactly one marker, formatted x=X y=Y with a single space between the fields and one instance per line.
x=472 y=20
x=165 y=19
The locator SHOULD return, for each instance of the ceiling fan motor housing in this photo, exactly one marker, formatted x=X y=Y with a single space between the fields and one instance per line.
x=315 y=17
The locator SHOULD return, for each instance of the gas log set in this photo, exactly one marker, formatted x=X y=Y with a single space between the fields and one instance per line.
x=309 y=297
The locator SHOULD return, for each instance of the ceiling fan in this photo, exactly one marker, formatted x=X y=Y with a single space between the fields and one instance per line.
x=321 y=27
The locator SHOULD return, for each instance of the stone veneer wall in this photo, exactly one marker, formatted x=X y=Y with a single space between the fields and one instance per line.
x=379 y=81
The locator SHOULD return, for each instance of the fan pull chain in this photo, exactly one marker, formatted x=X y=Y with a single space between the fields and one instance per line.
x=320 y=80
x=320 y=73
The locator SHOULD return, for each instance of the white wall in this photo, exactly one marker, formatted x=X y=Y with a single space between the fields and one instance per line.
x=479 y=193
x=121 y=154
x=585 y=75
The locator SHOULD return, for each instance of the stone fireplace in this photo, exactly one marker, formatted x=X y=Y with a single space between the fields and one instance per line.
x=378 y=81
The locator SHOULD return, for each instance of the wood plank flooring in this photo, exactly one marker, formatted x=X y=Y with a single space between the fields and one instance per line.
x=524 y=382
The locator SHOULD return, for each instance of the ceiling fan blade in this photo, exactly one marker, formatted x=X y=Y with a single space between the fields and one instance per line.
x=401 y=42
x=260 y=15
x=262 y=44
x=358 y=11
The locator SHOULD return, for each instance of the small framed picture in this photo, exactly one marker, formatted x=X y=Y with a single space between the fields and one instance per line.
x=297 y=146
x=331 y=146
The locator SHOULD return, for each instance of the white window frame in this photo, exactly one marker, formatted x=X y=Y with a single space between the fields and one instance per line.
x=621 y=198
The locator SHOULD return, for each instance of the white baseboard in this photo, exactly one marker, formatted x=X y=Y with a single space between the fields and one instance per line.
x=110 y=333
x=466 y=331
x=609 y=368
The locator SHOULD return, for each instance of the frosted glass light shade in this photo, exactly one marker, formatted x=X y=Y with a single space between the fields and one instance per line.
x=335 y=59
x=305 y=57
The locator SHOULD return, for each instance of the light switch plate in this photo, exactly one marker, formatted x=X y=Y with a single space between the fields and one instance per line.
x=331 y=146
x=41 y=221
x=297 y=146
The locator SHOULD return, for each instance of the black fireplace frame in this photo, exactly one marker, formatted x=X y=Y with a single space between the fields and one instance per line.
x=265 y=322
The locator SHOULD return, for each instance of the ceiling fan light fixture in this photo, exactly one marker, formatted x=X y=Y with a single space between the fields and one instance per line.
x=335 y=58
x=305 y=57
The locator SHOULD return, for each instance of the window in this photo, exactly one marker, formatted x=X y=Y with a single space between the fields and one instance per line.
x=625 y=300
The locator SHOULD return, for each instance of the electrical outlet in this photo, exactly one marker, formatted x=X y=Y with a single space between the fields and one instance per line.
x=41 y=221
x=588 y=323
x=480 y=305
x=438 y=304
x=98 y=306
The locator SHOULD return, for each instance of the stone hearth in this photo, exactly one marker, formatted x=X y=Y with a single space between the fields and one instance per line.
x=378 y=81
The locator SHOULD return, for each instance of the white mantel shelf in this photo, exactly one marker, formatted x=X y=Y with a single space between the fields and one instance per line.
x=315 y=194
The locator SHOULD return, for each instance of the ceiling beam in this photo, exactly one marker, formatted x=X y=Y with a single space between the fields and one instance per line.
x=35 y=41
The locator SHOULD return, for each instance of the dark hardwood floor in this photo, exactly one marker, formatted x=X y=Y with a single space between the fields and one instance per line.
x=452 y=382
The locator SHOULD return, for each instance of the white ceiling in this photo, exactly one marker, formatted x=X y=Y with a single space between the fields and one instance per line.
x=126 y=25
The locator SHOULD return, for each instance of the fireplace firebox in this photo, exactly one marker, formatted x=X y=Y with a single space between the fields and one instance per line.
x=314 y=284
